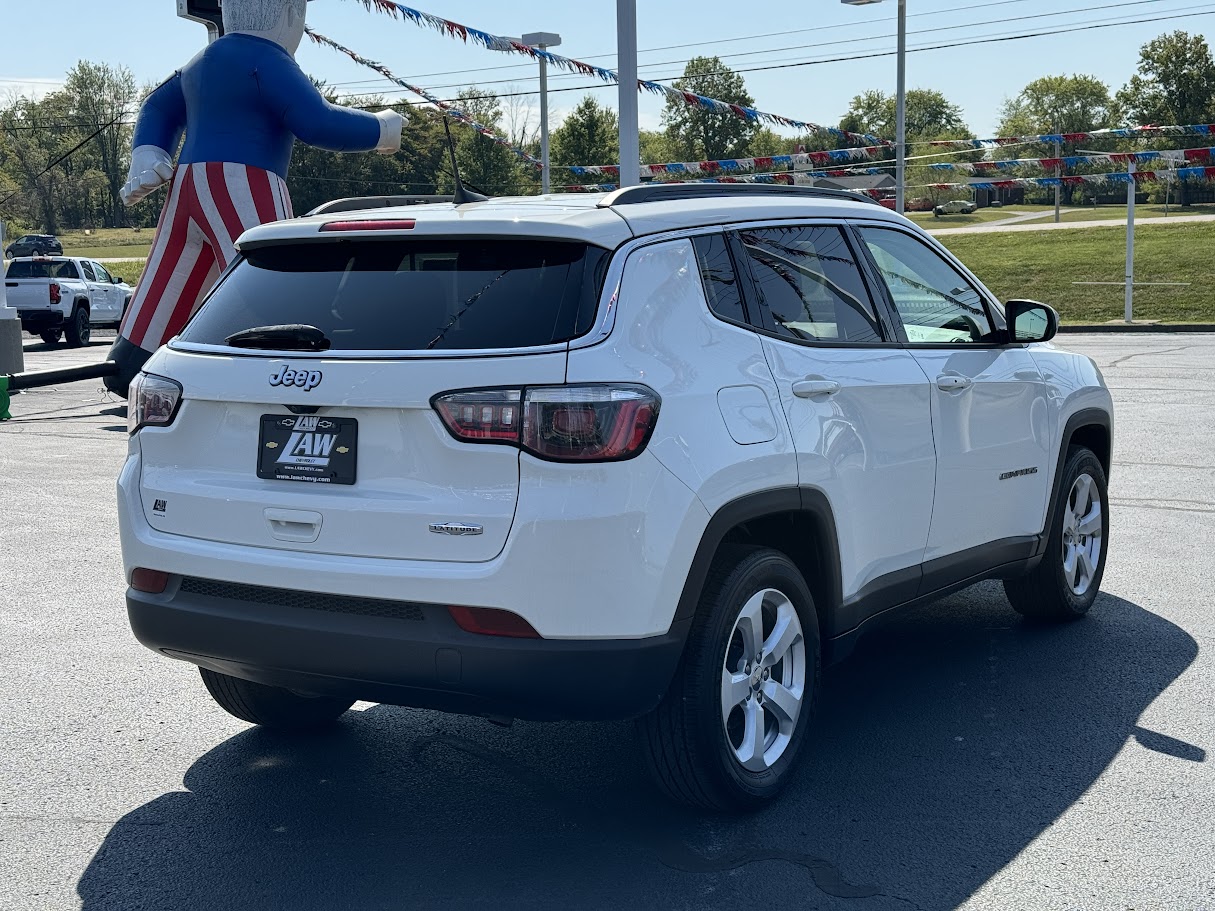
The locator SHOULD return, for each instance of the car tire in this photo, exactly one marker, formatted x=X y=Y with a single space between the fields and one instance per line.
x=78 y=329
x=734 y=748
x=51 y=336
x=1064 y=585
x=270 y=706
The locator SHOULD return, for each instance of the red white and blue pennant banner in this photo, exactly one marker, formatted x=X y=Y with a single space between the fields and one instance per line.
x=509 y=45
x=450 y=110
x=1119 y=177
x=733 y=164
x=1172 y=157
x=1193 y=129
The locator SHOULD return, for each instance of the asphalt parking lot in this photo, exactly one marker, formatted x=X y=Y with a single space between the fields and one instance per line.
x=963 y=758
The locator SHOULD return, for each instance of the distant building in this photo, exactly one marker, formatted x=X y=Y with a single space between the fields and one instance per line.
x=883 y=183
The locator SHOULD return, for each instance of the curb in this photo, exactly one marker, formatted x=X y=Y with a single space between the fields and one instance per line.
x=1157 y=327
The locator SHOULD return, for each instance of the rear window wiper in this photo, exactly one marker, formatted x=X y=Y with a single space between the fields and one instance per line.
x=281 y=338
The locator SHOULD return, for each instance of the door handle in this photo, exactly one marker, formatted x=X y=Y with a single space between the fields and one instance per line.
x=948 y=382
x=809 y=388
x=294 y=525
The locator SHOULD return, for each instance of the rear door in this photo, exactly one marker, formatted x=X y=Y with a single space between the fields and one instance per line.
x=98 y=296
x=256 y=456
x=989 y=406
x=106 y=305
x=857 y=404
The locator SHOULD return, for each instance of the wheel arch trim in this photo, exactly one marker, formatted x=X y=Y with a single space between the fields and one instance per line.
x=1084 y=418
x=805 y=501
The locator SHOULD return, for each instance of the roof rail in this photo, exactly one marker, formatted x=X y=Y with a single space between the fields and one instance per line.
x=657 y=192
x=361 y=203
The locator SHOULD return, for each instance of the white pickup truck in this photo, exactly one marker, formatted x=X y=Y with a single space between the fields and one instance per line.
x=63 y=296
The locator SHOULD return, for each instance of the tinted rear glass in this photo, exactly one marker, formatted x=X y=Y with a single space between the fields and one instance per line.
x=436 y=295
x=42 y=269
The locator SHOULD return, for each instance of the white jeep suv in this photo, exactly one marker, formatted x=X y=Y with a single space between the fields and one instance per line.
x=657 y=454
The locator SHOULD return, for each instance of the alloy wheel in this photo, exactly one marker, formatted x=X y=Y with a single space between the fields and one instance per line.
x=1083 y=534
x=763 y=680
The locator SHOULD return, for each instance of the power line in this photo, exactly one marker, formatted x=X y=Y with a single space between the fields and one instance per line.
x=670 y=47
x=867 y=38
x=993 y=39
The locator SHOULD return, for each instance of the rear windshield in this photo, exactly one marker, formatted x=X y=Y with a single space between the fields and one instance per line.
x=63 y=268
x=424 y=295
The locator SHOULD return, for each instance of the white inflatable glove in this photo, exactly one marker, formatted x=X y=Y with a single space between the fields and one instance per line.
x=392 y=125
x=151 y=167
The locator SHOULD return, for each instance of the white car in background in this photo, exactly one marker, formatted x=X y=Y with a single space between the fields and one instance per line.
x=956 y=207
x=61 y=296
x=657 y=454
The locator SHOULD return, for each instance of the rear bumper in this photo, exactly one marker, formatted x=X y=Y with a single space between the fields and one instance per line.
x=38 y=320
x=415 y=656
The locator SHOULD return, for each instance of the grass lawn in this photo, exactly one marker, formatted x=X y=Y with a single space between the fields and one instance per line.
x=1041 y=265
x=130 y=272
x=105 y=242
x=980 y=217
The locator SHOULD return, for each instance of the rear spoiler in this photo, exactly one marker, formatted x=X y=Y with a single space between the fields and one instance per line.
x=360 y=203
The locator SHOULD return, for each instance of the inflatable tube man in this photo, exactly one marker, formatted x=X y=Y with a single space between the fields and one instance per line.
x=242 y=103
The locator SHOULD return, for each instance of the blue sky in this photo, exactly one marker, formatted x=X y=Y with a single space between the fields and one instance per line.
x=37 y=47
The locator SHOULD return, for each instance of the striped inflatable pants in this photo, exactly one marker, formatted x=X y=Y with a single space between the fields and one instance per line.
x=210 y=205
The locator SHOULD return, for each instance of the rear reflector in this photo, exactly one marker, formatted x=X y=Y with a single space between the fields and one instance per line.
x=398 y=224
x=488 y=621
x=151 y=581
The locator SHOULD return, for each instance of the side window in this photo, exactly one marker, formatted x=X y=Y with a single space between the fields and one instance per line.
x=102 y=275
x=67 y=269
x=809 y=285
x=88 y=270
x=937 y=305
x=717 y=274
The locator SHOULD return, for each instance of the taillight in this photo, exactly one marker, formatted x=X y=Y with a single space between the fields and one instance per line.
x=56 y=294
x=592 y=423
x=152 y=402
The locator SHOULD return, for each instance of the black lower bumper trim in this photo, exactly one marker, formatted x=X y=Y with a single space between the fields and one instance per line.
x=429 y=664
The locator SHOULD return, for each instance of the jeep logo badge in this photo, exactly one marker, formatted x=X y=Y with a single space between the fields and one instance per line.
x=300 y=379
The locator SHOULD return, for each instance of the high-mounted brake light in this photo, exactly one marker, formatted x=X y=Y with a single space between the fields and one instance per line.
x=592 y=423
x=394 y=224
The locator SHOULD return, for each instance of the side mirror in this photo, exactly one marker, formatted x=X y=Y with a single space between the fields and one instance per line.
x=118 y=279
x=1030 y=321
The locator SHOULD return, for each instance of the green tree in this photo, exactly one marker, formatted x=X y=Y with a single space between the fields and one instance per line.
x=657 y=147
x=930 y=115
x=483 y=163
x=697 y=134
x=1175 y=83
x=589 y=135
x=1057 y=104
x=102 y=99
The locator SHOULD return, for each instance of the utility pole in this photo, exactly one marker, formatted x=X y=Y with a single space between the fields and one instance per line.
x=1129 y=309
x=1059 y=174
x=543 y=41
x=900 y=193
x=626 y=64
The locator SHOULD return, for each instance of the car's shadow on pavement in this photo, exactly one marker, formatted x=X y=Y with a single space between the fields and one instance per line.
x=951 y=739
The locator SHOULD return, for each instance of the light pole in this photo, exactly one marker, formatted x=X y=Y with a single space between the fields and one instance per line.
x=543 y=41
x=901 y=127
x=626 y=63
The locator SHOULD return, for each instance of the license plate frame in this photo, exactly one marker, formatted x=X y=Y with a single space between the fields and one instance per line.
x=308 y=448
